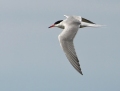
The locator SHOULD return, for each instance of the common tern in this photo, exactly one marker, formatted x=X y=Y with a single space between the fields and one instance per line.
x=70 y=27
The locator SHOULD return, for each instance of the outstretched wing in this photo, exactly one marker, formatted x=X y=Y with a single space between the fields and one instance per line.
x=66 y=42
x=87 y=21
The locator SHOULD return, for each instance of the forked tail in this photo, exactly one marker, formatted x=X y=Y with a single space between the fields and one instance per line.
x=84 y=24
x=95 y=25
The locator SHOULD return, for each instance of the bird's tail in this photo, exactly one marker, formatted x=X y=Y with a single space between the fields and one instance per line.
x=95 y=25
x=84 y=24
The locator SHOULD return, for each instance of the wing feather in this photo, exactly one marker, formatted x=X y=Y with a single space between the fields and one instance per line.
x=66 y=42
x=87 y=21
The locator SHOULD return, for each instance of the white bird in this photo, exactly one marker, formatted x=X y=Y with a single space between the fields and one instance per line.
x=70 y=27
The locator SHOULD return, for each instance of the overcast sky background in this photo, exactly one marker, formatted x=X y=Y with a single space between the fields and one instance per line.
x=31 y=58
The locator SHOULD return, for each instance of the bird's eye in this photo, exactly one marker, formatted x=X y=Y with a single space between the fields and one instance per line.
x=57 y=22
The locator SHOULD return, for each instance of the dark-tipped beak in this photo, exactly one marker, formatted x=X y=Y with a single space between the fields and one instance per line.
x=51 y=26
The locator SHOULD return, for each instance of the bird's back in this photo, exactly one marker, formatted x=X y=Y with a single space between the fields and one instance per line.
x=72 y=20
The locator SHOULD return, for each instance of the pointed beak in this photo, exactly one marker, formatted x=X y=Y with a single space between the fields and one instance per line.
x=51 y=26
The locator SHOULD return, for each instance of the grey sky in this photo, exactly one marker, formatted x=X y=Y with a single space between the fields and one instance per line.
x=30 y=55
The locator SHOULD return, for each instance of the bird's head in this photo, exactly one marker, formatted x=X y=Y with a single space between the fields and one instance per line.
x=57 y=24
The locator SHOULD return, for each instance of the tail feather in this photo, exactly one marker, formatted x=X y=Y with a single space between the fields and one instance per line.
x=84 y=24
x=95 y=25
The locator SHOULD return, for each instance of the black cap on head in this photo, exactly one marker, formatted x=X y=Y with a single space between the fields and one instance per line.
x=57 y=22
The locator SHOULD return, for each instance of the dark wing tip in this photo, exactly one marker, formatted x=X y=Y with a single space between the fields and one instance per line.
x=81 y=73
x=88 y=21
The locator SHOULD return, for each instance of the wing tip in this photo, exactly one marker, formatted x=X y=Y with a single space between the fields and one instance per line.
x=81 y=72
x=66 y=16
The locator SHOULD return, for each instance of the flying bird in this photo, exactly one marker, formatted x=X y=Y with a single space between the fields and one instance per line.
x=70 y=27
